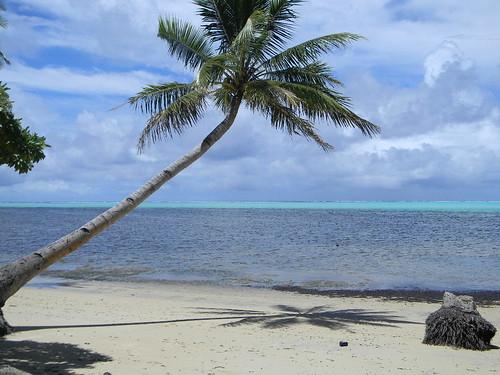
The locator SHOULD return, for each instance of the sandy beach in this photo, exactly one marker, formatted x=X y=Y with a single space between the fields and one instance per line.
x=145 y=328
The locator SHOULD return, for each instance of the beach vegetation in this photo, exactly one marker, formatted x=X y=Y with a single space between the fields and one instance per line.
x=20 y=148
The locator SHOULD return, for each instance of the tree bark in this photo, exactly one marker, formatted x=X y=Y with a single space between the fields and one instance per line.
x=16 y=274
x=5 y=328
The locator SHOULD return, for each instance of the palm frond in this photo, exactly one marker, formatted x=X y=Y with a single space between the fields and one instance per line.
x=285 y=119
x=326 y=104
x=315 y=74
x=251 y=31
x=224 y=19
x=218 y=21
x=307 y=52
x=268 y=88
x=223 y=97
x=281 y=22
x=185 y=41
x=182 y=113
x=155 y=98
x=251 y=40
x=277 y=104
x=3 y=59
x=215 y=69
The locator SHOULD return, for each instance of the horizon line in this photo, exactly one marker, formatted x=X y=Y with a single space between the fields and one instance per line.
x=264 y=201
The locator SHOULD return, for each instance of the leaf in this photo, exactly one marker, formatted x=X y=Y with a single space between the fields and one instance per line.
x=185 y=42
x=224 y=19
x=182 y=113
x=215 y=69
x=281 y=22
x=155 y=98
x=308 y=52
x=323 y=103
x=316 y=74
x=275 y=105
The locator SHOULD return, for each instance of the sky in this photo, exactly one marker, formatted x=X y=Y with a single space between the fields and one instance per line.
x=428 y=74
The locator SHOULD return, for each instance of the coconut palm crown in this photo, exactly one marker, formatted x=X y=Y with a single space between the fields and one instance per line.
x=240 y=54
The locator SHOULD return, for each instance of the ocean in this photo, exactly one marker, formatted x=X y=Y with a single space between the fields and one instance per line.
x=315 y=245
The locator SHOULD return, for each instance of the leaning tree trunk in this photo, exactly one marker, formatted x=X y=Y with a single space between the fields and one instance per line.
x=16 y=274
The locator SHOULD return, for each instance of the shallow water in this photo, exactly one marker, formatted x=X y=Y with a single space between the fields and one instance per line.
x=391 y=247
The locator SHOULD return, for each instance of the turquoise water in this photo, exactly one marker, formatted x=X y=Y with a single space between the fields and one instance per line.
x=443 y=206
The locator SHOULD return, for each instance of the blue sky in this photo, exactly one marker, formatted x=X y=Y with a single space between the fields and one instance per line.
x=428 y=74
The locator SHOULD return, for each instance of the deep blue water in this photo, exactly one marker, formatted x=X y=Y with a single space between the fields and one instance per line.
x=319 y=248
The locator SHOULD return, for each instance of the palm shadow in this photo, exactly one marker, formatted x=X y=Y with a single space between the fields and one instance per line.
x=48 y=357
x=127 y=324
x=320 y=316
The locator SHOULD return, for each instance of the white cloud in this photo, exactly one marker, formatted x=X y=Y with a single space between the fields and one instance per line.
x=122 y=32
x=465 y=152
x=438 y=61
x=61 y=79
x=402 y=32
x=440 y=133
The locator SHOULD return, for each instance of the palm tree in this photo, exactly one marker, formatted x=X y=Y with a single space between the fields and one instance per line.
x=240 y=57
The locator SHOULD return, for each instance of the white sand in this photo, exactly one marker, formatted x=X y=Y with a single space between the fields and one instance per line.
x=300 y=346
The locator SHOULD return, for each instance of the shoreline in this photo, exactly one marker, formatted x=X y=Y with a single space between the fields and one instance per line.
x=92 y=327
x=481 y=297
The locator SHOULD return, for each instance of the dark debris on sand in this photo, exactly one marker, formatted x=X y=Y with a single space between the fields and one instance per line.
x=482 y=298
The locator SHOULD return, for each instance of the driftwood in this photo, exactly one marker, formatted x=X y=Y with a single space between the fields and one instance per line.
x=458 y=323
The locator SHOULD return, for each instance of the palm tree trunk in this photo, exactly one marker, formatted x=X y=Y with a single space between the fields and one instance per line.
x=16 y=274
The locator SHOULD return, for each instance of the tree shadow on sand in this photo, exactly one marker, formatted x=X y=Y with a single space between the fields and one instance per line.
x=320 y=316
x=47 y=357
